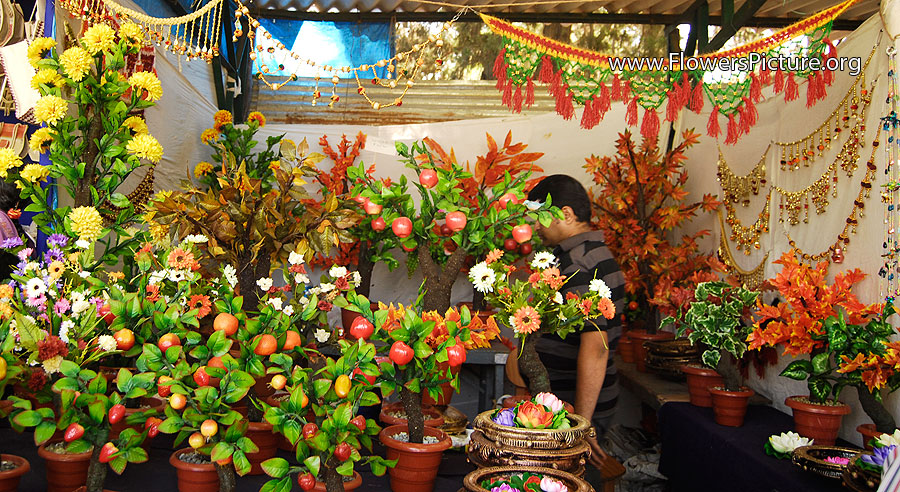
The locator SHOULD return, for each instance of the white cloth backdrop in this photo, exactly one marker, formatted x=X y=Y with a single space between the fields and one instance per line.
x=189 y=102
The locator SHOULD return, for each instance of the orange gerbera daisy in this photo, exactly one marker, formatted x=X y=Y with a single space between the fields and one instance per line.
x=606 y=307
x=201 y=304
x=493 y=256
x=152 y=293
x=526 y=320
x=180 y=259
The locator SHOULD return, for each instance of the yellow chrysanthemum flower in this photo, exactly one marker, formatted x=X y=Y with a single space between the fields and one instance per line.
x=148 y=82
x=136 y=124
x=222 y=118
x=6 y=291
x=99 y=37
x=8 y=160
x=38 y=48
x=34 y=173
x=76 y=62
x=158 y=232
x=203 y=169
x=46 y=76
x=50 y=109
x=86 y=222
x=6 y=311
x=209 y=135
x=257 y=117
x=145 y=146
x=40 y=139
x=132 y=32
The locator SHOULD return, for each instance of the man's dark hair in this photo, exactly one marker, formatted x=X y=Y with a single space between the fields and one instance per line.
x=9 y=196
x=564 y=191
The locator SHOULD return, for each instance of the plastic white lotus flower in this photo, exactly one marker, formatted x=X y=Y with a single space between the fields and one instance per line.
x=787 y=442
x=890 y=439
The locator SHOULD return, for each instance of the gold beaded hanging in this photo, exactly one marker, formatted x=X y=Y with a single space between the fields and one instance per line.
x=737 y=189
x=750 y=279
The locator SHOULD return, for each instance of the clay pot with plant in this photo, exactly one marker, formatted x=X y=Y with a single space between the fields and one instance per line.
x=847 y=344
x=716 y=319
x=640 y=198
x=12 y=468
x=472 y=228
x=321 y=420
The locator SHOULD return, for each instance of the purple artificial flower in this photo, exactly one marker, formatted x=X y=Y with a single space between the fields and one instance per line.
x=52 y=255
x=20 y=268
x=880 y=454
x=12 y=242
x=58 y=240
x=61 y=306
x=506 y=417
x=97 y=301
x=504 y=488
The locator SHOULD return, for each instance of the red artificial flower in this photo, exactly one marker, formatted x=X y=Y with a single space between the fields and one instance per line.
x=324 y=306
x=51 y=347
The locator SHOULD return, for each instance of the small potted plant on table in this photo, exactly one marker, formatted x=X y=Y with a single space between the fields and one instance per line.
x=716 y=320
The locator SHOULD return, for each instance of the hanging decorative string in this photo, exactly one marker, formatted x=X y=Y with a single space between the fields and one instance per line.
x=746 y=237
x=195 y=35
x=402 y=69
x=737 y=189
x=576 y=76
x=890 y=194
x=836 y=251
x=751 y=279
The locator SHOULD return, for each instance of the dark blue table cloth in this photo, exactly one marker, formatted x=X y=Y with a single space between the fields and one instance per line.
x=700 y=455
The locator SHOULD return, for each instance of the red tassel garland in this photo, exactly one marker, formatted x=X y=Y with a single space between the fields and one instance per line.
x=517 y=99
x=616 y=88
x=529 y=93
x=685 y=97
x=507 y=94
x=755 y=88
x=500 y=68
x=626 y=90
x=733 y=132
x=672 y=105
x=556 y=85
x=765 y=76
x=591 y=115
x=791 y=90
x=712 y=126
x=779 y=81
x=828 y=76
x=752 y=114
x=631 y=116
x=810 y=91
x=820 y=85
x=546 y=73
x=567 y=110
x=603 y=103
x=650 y=125
x=697 y=98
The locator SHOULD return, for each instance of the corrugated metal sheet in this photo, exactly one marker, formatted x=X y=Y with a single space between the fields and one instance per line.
x=772 y=8
x=427 y=101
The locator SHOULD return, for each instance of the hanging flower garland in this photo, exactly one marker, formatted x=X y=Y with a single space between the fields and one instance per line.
x=576 y=76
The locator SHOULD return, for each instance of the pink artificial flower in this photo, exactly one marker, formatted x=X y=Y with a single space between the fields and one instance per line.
x=37 y=301
x=553 y=485
x=25 y=253
x=550 y=401
x=61 y=306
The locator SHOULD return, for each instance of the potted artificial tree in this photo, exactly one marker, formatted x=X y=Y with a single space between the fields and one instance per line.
x=715 y=319
x=640 y=199
x=813 y=320
x=320 y=418
x=441 y=252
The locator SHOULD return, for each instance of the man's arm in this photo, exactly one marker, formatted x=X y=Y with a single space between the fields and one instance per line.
x=593 y=355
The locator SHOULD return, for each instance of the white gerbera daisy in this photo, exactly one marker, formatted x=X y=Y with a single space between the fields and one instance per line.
x=264 y=283
x=337 y=271
x=107 y=343
x=483 y=277
x=599 y=286
x=543 y=260
x=178 y=276
x=230 y=275
x=322 y=336
x=276 y=303
x=35 y=287
x=295 y=258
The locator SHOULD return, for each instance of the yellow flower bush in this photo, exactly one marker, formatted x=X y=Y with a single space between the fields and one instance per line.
x=203 y=169
x=145 y=146
x=76 y=62
x=136 y=124
x=47 y=76
x=50 y=109
x=146 y=81
x=8 y=160
x=99 y=37
x=209 y=135
x=40 y=139
x=34 y=173
x=86 y=222
x=38 y=48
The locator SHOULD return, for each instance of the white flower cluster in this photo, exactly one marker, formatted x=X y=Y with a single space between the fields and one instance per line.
x=483 y=277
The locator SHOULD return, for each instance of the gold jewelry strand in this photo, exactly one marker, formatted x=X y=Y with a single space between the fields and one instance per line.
x=745 y=237
x=738 y=188
x=750 y=279
x=836 y=251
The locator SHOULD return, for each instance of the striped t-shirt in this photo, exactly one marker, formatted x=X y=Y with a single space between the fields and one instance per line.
x=582 y=258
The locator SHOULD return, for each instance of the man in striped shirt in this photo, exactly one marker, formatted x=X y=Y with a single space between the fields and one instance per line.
x=581 y=365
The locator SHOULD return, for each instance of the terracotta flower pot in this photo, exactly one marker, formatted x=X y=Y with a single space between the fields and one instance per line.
x=433 y=418
x=730 y=407
x=348 y=485
x=417 y=464
x=626 y=348
x=65 y=472
x=9 y=480
x=484 y=314
x=869 y=432
x=261 y=434
x=83 y=488
x=262 y=388
x=699 y=379
x=194 y=477
x=815 y=421
x=640 y=353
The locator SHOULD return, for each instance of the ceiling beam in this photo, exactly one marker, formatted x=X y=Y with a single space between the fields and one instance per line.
x=730 y=28
x=549 y=18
